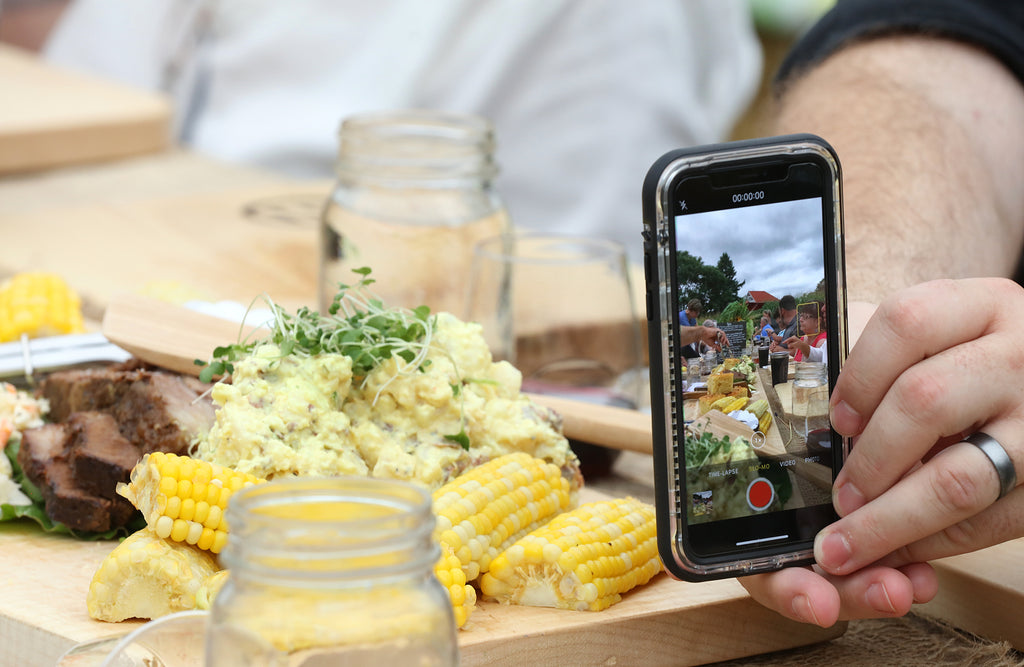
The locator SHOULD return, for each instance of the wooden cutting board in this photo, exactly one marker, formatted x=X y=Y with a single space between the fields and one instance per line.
x=45 y=578
x=209 y=247
x=52 y=117
x=983 y=593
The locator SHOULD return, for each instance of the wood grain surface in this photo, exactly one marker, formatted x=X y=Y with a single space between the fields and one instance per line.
x=174 y=216
x=52 y=117
x=983 y=593
x=209 y=247
x=46 y=577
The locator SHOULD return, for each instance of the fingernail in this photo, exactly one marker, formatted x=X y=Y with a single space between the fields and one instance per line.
x=803 y=610
x=831 y=550
x=879 y=599
x=845 y=419
x=847 y=498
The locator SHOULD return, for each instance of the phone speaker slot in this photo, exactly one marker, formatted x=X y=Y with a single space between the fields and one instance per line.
x=730 y=178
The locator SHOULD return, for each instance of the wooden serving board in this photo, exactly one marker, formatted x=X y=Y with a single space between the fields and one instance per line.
x=982 y=593
x=45 y=579
x=52 y=117
x=208 y=247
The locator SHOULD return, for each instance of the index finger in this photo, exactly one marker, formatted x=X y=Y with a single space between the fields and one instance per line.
x=906 y=329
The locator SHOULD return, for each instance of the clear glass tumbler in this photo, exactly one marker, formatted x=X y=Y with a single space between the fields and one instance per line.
x=560 y=308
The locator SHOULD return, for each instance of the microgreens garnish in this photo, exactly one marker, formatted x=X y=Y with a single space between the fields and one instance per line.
x=357 y=325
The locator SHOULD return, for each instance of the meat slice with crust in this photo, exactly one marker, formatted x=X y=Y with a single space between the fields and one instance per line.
x=43 y=457
x=82 y=390
x=99 y=455
x=160 y=412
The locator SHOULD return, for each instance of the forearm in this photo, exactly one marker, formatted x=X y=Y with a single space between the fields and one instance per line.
x=688 y=335
x=710 y=336
x=930 y=134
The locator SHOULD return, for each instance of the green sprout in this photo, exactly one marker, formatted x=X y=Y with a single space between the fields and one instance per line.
x=357 y=325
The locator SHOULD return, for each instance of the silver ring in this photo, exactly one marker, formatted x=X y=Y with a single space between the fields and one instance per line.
x=999 y=458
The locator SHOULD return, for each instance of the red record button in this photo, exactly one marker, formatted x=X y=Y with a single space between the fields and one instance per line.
x=760 y=494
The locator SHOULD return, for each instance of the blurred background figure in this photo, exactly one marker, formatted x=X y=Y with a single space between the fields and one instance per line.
x=584 y=95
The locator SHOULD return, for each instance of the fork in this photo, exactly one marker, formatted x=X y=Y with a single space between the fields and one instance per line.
x=22 y=360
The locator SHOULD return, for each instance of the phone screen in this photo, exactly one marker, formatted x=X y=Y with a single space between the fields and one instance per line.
x=755 y=249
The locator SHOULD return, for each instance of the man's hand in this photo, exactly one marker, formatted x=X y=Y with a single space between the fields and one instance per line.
x=915 y=384
x=713 y=337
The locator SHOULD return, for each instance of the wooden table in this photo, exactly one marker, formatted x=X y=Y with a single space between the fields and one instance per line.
x=52 y=117
x=175 y=224
x=220 y=231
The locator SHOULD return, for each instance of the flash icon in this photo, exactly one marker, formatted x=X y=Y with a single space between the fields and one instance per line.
x=682 y=204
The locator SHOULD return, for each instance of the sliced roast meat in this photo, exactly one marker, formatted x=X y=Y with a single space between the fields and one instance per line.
x=40 y=446
x=160 y=412
x=195 y=384
x=99 y=455
x=67 y=503
x=106 y=420
x=44 y=458
x=83 y=390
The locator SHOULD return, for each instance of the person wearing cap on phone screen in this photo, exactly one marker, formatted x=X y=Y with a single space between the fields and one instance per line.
x=789 y=323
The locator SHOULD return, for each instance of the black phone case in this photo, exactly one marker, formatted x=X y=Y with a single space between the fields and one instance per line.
x=657 y=178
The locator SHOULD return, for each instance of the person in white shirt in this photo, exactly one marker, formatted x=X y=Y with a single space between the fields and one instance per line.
x=584 y=95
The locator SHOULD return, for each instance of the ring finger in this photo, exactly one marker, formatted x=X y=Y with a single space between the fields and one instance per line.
x=935 y=399
x=998 y=523
x=955 y=484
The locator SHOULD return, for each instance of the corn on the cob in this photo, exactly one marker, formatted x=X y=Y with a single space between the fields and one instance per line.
x=584 y=559
x=736 y=404
x=147 y=577
x=487 y=508
x=758 y=407
x=765 y=422
x=183 y=499
x=722 y=402
x=38 y=304
x=462 y=595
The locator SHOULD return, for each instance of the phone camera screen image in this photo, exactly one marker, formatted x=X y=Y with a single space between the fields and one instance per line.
x=754 y=250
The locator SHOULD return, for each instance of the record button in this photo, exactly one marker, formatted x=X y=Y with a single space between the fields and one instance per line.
x=760 y=494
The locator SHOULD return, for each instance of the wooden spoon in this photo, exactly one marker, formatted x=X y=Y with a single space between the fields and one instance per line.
x=173 y=337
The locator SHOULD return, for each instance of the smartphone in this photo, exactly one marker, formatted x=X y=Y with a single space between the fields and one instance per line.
x=744 y=228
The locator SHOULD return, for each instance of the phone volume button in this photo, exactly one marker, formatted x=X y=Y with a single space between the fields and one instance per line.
x=650 y=305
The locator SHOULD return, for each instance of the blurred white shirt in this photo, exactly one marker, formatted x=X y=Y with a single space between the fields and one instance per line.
x=584 y=94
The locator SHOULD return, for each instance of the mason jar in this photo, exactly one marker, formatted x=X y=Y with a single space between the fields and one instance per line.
x=810 y=397
x=414 y=193
x=330 y=571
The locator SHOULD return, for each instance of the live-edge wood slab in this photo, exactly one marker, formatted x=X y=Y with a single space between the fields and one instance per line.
x=44 y=579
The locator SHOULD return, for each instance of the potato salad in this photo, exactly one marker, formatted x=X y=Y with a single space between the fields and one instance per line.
x=423 y=416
